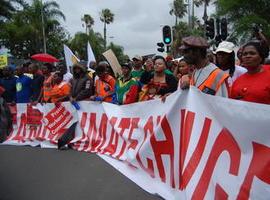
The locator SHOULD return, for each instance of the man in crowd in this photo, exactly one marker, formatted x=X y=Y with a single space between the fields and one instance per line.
x=226 y=61
x=60 y=90
x=23 y=86
x=127 y=88
x=137 y=67
x=47 y=84
x=206 y=76
x=62 y=68
x=37 y=82
x=104 y=85
x=81 y=84
x=8 y=82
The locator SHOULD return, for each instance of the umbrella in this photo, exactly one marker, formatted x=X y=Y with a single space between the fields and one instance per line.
x=44 y=57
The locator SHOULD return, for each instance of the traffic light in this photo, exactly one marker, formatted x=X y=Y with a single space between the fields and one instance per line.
x=160 y=47
x=223 y=27
x=167 y=35
x=210 y=28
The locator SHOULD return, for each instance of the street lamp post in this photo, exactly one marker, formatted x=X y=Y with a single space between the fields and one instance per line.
x=43 y=29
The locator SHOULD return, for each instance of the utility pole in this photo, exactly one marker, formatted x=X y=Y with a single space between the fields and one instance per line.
x=205 y=17
x=193 y=14
x=189 y=17
x=43 y=29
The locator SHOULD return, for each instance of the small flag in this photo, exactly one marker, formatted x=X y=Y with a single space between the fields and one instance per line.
x=70 y=58
x=91 y=56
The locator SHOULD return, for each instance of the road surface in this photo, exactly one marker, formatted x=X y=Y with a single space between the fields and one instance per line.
x=28 y=173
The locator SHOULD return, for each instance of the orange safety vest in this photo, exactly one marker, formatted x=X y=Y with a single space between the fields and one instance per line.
x=59 y=91
x=213 y=82
x=47 y=86
x=103 y=88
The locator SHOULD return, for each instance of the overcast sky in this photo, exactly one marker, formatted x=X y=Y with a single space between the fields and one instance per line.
x=137 y=23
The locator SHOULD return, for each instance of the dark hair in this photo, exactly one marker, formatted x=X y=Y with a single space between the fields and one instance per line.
x=183 y=60
x=261 y=48
x=26 y=64
x=34 y=65
x=61 y=65
x=128 y=65
x=59 y=74
x=101 y=67
x=49 y=66
x=160 y=57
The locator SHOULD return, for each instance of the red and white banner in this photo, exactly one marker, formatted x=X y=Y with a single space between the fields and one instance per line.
x=193 y=146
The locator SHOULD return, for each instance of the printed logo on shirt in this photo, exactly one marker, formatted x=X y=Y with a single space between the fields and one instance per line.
x=18 y=87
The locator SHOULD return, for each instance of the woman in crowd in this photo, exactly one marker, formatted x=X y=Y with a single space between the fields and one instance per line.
x=149 y=64
x=254 y=85
x=181 y=69
x=225 y=58
x=158 y=84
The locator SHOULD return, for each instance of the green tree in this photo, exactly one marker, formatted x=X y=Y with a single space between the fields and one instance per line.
x=119 y=52
x=88 y=21
x=107 y=17
x=179 y=10
x=22 y=34
x=79 y=41
x=8 y=8
x=243 y=14
x=183 y=30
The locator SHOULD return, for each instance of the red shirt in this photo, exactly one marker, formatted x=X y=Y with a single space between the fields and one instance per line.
x=253 y=87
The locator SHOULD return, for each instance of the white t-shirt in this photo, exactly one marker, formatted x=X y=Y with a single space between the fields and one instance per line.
x=238 y=72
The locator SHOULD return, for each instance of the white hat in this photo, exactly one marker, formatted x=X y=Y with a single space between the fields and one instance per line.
x=137 y=57
x=226 y=47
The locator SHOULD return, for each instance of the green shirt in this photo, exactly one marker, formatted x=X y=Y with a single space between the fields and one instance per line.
x=137 y=74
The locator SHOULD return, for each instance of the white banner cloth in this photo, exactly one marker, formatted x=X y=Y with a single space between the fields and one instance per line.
x=193 y=146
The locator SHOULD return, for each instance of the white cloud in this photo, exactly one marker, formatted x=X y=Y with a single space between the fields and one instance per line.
x=137 y=24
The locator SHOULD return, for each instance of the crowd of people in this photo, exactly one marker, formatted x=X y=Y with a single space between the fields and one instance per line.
x=243 y=75
x=216 y=73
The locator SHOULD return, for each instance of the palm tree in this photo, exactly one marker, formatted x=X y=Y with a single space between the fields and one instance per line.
x=179 y=10
x=7 y=7
x=107 y=17
x=206 y=3
x=49 y=14
x=89 y=22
